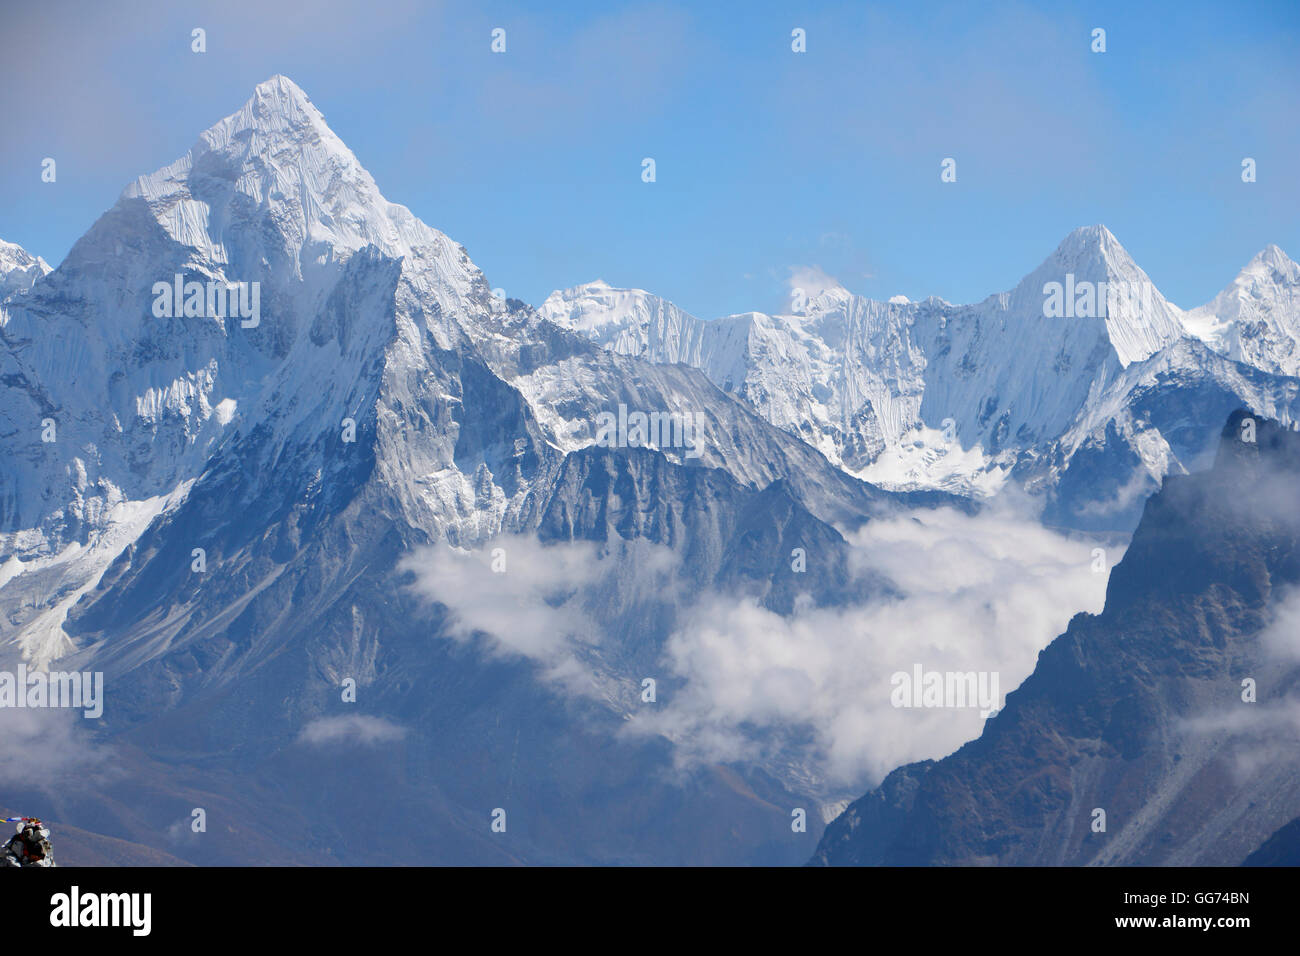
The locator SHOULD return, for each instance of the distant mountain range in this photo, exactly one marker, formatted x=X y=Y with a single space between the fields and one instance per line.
x=255 y=391
x=1083 y=383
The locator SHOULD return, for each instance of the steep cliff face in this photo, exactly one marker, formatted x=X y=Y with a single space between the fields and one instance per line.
x=1173 y=712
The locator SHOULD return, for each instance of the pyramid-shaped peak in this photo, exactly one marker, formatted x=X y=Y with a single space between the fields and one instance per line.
x=280 y=86
x=1089 y=252
x=1271 y=274
x=1090 y=276
x=1092 y=253
x=1272 y=259
x=277 y=159
x=1092 y=243
x=277 y=120
x=1095 y=234
x=277 y=111
x=277 y=99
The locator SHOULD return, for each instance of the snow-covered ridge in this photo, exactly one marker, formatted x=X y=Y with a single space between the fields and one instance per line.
x=934 y=395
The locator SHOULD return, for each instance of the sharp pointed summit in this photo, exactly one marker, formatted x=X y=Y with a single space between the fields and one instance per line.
x=148 y=368
x=277 y=158
x=1091 y=242
x=1093 y=278
x=1256 y=319
x=1272 y=257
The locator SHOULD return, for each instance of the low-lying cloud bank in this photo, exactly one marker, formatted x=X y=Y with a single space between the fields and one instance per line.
x=810 y=693
x=978 y=594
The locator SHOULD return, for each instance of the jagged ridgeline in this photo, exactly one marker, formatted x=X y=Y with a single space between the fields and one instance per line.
x=1082 y=384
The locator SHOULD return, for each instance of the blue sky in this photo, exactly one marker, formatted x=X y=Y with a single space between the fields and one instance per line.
x=768 y=162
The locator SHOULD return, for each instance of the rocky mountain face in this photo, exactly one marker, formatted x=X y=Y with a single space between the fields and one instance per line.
x=1159 y=732
x=1281 y=849
x=1083 y=384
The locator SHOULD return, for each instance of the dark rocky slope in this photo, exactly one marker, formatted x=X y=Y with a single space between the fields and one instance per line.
x=1137 y=711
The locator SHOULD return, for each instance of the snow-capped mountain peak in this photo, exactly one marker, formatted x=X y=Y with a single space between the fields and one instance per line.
x=1272 y=257
x=1256 y=319
x=1091 y=277
x=19 y=269
x=148 y=377
x=1094 y=240
x=626 y=321
x=277 y=152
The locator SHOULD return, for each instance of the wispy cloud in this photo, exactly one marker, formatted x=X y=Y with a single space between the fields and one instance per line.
x=358 y=729
x=553 y=604
x=41 y=747
x=811 y=281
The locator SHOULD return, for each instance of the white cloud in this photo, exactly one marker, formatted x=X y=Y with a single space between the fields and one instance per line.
x=982 y=593
x=41 y=746
x=809 y=692
x=1281 y=639
x=550 y=603
x=352 y=729
x=1139 y=486
x=1256 y=739
x=812 y=281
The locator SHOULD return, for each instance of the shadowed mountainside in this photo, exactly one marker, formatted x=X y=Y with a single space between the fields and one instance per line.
x=1139 y=711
